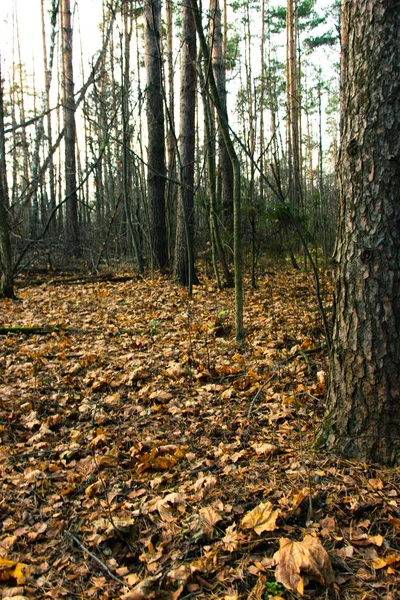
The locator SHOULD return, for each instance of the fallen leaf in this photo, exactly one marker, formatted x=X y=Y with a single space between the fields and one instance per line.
x=261 y=518
x=298 y=560
x=11 y=570
x=266 y=449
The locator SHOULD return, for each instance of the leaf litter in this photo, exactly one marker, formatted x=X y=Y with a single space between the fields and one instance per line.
x=145 y=455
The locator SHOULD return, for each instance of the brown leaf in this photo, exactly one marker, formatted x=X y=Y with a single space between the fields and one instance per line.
x=261 y=518
x=266 y=449
x=231 y=538
x=308 y=558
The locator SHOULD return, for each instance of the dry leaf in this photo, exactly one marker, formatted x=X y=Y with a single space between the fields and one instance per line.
x=11 y=570
x=182 y=573
x=266 y=449
x=261 y=518
x=296 y=560
x=231 y=538
x=389 y=560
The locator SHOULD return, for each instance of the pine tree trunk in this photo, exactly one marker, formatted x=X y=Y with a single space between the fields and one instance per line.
x=364 y=395
x=73 y=244
x=183 y=260
x=156 y=135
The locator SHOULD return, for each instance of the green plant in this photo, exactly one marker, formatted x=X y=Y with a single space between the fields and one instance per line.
x=272 y=588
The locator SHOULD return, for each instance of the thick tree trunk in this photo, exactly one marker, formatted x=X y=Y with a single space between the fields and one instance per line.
x=73 y=244
x=183 y=259
x=364 y=396
x=156 y=134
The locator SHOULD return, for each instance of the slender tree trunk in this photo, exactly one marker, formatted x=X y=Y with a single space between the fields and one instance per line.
x=47 y=67
x=237 y=228
x=363 y=421
x=6 y=268
x=293 y=106
x=184 y=259
x=262 y=93
x=225 y=171
x=172 y=190
x=218 y=255
x=73 y=243
x=127 y=178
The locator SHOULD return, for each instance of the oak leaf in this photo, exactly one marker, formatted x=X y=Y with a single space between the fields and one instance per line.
x=300 y=561
x=261 y=518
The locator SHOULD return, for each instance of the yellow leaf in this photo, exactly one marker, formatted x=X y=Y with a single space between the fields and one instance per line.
x=395 y=522
x=390 y=559
x=11 y=570
x=261 y=518
x=296 y=559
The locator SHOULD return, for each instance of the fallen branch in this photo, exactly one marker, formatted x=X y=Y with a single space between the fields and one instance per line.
x=78 y=280
x=259 y=392
x=99 y=562
x=35 y=330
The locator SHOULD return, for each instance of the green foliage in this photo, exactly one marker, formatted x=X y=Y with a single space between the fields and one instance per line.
x=272 y=588
x=326 y=39
x=232 y=50
x=279 y=214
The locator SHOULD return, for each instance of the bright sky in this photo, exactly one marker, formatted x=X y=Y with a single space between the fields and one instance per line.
x=26 y=14
x=87 y=15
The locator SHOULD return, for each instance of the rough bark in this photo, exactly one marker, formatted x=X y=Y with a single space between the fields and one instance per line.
x=155 y=127
x=363 y=421
x=6 y=269
x=183 y=259
x=73 y=244
x=225 y=170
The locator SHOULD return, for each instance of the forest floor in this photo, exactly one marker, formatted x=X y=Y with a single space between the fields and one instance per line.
x=145 y=455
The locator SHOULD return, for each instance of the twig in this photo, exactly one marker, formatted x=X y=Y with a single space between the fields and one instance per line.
x=347 y=568
x=259 y=392
x=99 y=562
x=302 y=353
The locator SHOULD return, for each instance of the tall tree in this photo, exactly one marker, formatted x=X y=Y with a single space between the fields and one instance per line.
x=363 y=419
x=6 y=269
x=183 y=259
x=224 y=167
x=156 y=135
x=293 y=103
x=172 y=188
x=127 y=176
x=73 y=244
